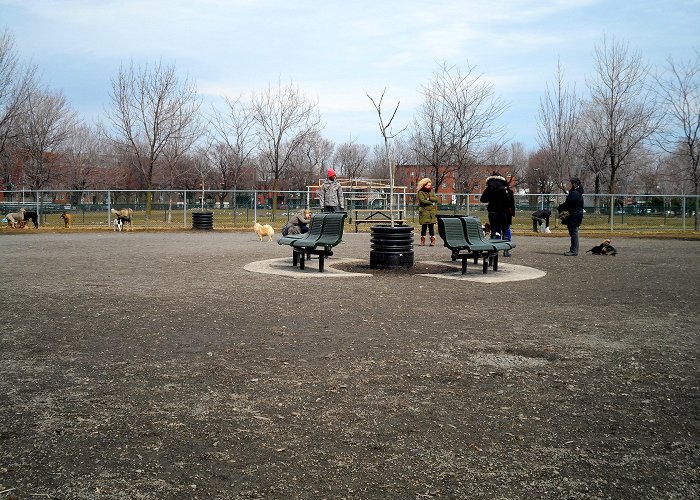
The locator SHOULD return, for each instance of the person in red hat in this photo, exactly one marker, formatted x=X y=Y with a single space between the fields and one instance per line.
x=330 y=194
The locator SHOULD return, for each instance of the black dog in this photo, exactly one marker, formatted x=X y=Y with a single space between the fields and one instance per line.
x=604 y=248
x=33 y=217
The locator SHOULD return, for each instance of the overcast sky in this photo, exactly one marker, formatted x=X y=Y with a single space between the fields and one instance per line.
x=337 y=52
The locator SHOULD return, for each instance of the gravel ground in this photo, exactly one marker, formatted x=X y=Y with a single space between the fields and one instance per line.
x=153 y=365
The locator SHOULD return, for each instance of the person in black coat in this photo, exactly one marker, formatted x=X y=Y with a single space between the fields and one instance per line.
x=540 y=217
x=574 y=206
x=496 y=195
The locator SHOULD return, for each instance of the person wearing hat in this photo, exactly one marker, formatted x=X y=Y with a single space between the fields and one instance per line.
x=574 y=206
x=330 y=194
x=427 y=209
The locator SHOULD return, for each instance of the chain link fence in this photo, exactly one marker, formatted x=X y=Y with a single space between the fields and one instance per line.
x=172 y=209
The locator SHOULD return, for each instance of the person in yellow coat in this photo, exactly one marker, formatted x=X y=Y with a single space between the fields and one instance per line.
x=427 y=210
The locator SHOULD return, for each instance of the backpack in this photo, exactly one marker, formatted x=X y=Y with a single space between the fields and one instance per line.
x=285 y=229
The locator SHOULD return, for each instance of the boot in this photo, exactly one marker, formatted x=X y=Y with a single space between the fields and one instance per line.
x=422 y=240
x=432 y=241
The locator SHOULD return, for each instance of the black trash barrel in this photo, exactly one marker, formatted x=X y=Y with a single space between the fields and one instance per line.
x=202 y=220
x=391 y=247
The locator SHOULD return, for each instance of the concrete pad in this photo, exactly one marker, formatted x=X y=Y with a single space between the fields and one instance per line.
x=505 y=273
x=283 y=267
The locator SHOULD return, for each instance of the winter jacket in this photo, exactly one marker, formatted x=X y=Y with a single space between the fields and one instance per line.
x=295 y=223
x=330 y=194
x=496 y=195
x=542 y=215
x=574 y=205
x=427 y=207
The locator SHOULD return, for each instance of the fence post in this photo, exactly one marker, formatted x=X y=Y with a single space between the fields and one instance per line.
x=184 y=208
x=683 y=208
x=109 y=207
x=612 y=211
x=255 y=206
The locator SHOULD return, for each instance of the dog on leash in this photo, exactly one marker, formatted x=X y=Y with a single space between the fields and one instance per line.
x=263 y=230
x=67 y=220
x=605 y=248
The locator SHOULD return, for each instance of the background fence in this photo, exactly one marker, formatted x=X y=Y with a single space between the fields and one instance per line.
x=171 y=209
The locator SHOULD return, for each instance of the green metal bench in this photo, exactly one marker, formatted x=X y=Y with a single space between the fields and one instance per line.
x=326 y=232
x=452 y=230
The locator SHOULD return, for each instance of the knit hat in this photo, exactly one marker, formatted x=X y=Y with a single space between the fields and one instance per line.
x=331 y=172
x=422 y=183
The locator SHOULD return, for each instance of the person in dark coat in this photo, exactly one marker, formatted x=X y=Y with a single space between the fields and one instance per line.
x=496 y=195
x=574 y=206
x=541 y=217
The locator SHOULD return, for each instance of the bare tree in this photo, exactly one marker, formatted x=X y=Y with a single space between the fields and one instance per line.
x=591 y=147
x=557 y=125
x=457 y=124
x=46 y=123
x=285 y=120
x=518 y=162
x=16 y=83
x=352 y=160
x=151 y=108
x=388 y=136
x=82 y=155
x=541 y=175
x=311 y=160
x=678 y=89
x=622 y=100
x=232 y=144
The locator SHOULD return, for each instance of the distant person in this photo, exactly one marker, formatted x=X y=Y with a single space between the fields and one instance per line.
x=498 y=199
x=330 y=194
x=298 y=224
x=427 y=209
x=539 y=218
x=573 y=205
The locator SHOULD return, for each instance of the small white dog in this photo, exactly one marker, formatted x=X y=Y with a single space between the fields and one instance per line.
x=118 y=224
x=263 y=230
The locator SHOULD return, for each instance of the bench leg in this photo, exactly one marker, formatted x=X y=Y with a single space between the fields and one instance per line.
x=464 y=265
x=301 y=262
x=295 y=258
x=321 y=259
x=495 y=262
x=486 y=263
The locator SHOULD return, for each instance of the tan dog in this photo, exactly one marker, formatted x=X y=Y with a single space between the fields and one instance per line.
x=263 y=230
x=67 y=220
x=15 y=217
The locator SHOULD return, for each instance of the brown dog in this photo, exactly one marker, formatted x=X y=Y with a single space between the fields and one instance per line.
x=605 y=248
x=67 y=220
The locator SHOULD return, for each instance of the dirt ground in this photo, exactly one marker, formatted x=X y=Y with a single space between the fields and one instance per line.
x=152 y=365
